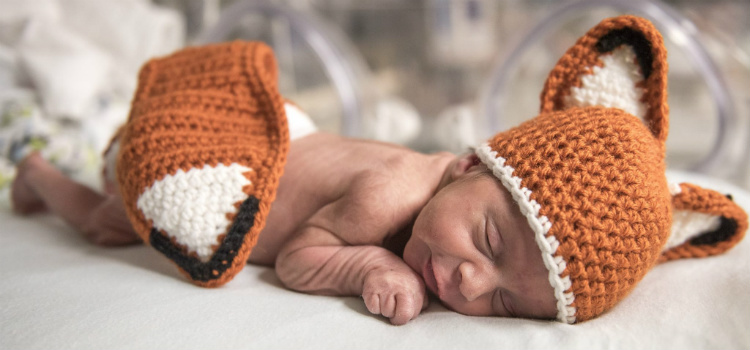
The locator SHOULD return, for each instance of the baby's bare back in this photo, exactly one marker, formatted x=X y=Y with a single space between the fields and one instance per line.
x=389 y=185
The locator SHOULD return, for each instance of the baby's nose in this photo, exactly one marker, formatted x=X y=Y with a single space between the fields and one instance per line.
x=474 y=281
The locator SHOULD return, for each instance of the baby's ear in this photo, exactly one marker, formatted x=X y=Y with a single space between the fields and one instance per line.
x=620 y=63
x=462 y=165
x=704 y=223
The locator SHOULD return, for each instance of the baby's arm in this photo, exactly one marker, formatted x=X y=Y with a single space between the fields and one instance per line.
x=319 y=260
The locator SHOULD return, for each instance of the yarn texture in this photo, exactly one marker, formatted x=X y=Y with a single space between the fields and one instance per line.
x=588 y=172
x=201 y=156
x=199 y=161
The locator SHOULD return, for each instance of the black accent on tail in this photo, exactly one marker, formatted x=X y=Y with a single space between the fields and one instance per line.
x=634 y=39
x=223 y=257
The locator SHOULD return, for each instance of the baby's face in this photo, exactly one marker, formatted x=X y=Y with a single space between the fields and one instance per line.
x=476 y=251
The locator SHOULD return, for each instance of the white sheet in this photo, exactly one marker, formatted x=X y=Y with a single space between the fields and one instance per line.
x=58 y=292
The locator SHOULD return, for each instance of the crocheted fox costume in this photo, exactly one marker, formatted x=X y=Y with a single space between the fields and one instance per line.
x=201 y=156
x=588 y=173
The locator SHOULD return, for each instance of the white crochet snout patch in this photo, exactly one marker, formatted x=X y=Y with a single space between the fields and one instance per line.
x=192 y=207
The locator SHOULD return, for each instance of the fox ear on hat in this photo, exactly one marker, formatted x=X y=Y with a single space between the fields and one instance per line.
x=704 y=223
x=620 y=63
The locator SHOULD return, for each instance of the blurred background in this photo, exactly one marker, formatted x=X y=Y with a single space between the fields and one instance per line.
x=428 y=74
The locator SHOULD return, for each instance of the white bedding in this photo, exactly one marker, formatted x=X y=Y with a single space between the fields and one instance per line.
x=59 y=292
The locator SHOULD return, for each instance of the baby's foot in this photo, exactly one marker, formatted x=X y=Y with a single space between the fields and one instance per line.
x=24 y=199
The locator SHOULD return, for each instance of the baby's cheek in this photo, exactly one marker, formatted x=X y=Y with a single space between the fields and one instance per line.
x=409 y=255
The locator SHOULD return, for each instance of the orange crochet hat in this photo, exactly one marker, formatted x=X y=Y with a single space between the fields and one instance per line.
x=588 y=172
x=201 y=156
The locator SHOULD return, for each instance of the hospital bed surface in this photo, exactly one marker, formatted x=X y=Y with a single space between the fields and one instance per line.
x=60 y=292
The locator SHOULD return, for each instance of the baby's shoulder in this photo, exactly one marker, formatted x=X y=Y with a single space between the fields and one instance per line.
x=371 y=181
x=372 y=209
x=391 y=190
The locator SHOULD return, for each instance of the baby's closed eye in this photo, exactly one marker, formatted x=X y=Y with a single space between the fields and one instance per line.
x=501 y=303
x=492 y=240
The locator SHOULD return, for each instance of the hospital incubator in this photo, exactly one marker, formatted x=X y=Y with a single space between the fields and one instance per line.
x=431 y=74
x=320 y=70
x=444 y=75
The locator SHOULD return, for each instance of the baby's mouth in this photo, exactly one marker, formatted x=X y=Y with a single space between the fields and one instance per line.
x=428 y=273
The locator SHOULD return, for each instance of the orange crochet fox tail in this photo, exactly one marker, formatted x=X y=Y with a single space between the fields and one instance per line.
x=201 y=156
x=704 y=223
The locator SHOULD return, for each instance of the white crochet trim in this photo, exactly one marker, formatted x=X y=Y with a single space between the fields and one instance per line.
x=612 y=85
x=192 y=206
x=687 y=224
x=540 y=225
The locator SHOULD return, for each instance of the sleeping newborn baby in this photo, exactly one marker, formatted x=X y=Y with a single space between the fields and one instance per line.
x=558 y=218
x=343 y=214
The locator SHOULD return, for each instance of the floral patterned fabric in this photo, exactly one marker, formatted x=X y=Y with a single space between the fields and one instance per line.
x=67 y=74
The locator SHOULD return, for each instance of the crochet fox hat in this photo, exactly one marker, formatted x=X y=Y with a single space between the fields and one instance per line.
x=201 y=155
x=588 y=173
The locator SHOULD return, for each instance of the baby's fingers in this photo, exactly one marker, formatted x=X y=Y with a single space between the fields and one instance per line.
x=372 y=302
x=407 y=308
x=381 y=304
x=388 y=305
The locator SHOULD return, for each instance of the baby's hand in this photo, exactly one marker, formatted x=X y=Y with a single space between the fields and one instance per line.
x=394 y=293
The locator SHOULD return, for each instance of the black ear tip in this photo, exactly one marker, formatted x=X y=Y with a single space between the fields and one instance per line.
x=726 y=230
x=633 y=38
x=730 y=197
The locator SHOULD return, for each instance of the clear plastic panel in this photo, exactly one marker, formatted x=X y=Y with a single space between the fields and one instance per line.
x=305 y=46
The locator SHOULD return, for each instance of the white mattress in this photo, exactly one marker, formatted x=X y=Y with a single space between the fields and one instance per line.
x=59 y=292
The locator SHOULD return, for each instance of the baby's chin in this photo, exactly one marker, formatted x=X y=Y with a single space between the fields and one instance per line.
x=466 y=311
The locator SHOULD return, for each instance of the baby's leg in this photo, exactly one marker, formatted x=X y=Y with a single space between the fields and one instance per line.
x=100 y=218
x=108 y=224
x=22 y=196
